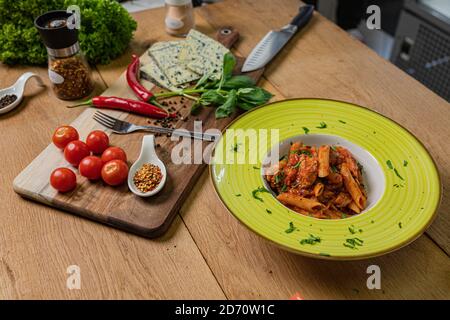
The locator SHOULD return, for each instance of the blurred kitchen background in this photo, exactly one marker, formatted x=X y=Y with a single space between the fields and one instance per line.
x=414 y=34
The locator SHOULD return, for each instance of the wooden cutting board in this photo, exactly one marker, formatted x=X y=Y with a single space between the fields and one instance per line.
x=117 y=206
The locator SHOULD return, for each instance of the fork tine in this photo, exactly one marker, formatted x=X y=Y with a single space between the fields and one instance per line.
x=112 y=122
x=107 y=116
x=102 y=122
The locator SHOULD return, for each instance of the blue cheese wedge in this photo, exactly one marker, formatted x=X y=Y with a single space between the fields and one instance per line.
x=153 y=73
x=205 y=55
x=172 y=61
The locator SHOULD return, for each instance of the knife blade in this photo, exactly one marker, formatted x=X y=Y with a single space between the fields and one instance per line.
x=274 y=41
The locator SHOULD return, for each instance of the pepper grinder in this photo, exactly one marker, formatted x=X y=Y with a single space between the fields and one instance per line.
x=68 y=69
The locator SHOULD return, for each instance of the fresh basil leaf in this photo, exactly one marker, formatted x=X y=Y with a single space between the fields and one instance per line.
x=236 y=82
x=245 y=105
x=255 y=96
x=212 y=97
x=226 y=109
x=229 y=61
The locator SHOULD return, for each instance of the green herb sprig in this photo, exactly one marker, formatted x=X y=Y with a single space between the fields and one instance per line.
x=226 y=94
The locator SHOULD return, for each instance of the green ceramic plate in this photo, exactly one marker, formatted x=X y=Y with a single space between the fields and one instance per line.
x=402 y=202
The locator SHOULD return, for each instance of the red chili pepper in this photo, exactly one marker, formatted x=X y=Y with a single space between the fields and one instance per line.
x=139 y=107
x=133 y=80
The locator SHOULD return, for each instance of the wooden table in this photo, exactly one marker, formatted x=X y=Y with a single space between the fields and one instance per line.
x=207 y=253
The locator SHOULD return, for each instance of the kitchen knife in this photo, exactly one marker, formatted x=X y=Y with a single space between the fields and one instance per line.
x=274 y=41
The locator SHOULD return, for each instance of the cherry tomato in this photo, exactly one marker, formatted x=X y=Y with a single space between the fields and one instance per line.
x=63 y=179
x=75 y=151
x=91 y=167
x=97 y=141
x=63 y=135
x=114 y=153
x=115 y=172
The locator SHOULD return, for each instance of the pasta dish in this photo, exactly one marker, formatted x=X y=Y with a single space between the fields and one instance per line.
x=324 y=183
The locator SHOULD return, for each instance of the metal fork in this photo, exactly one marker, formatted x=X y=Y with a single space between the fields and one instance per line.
x=123 y=127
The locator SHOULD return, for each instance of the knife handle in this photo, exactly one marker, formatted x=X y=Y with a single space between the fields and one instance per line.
x=304 y=15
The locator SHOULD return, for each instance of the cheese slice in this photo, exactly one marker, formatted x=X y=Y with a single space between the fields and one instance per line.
x=153 y=73
x=205 y=54
x=171 y=58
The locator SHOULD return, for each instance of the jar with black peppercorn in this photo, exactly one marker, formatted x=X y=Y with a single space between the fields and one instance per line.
x=68 y=69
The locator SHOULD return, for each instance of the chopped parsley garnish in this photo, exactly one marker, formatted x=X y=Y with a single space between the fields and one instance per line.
x=268 y=211
x=333 y=148
x=311 y=240
x=256 y=168
x=236 y=147
x=398 y=174
x=389 y=164
x=353 y=243
x=300 y=152
x=278 y=178
x=353 y=229
x=297 y=164
x=291 y=228
x=282 y=158
x=238 y=195
x=400 y=225
x=342 y=121
x=324 y=254
x=306 y=130
x=322 y=125
x=284 y=188
x=405 y=163
x=307 y=152
x=333 y=168
x=259 y=190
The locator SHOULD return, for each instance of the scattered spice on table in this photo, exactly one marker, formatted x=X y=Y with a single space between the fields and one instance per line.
x=7 y=99
x=147 y=177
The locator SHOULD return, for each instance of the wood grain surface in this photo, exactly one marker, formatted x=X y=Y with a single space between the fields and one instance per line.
x=206 y=253
x=117 y=206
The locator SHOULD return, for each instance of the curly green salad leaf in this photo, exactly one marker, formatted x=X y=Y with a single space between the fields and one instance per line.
x=106 y=30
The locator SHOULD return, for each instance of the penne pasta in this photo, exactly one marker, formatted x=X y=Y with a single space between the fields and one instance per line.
x=300 y=202
x=324 y=182
x=324 y=161
x=342 y=200
x=352 y=187
x=352 y=206
x=318 y=189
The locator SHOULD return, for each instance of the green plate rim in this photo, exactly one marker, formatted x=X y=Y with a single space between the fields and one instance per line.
x=335 y=258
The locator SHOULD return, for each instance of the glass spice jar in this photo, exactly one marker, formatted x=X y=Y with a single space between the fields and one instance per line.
x=68 y=69
x=179 y=17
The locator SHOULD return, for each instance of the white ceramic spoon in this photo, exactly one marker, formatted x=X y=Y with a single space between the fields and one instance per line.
x=17 y=89
x=148 y=155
